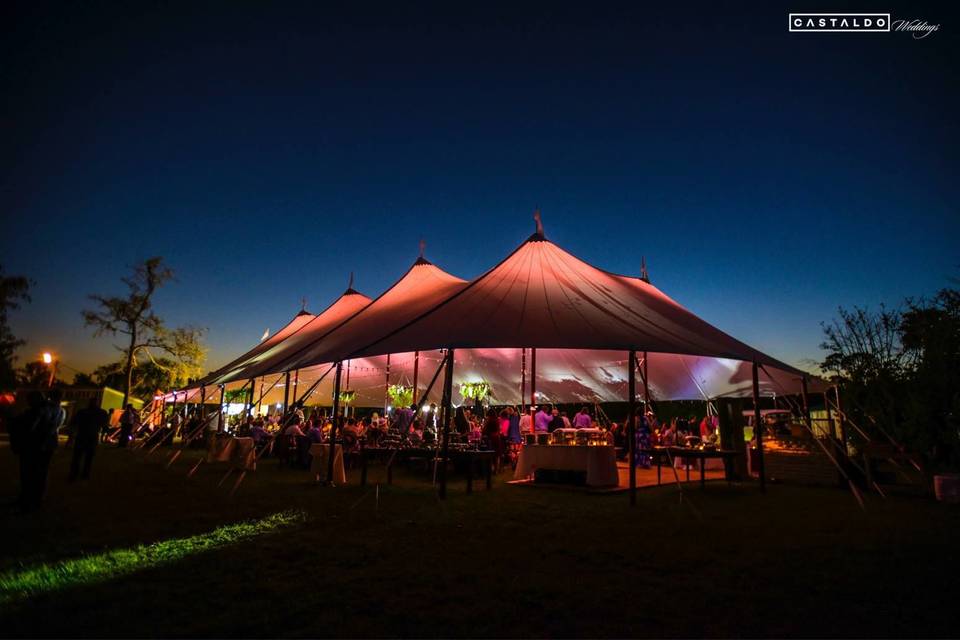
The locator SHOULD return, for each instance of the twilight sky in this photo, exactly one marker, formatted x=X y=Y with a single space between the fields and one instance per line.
x=269 y=149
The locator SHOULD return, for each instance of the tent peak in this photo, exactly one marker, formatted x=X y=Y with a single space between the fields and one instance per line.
x=420 y=258
x=350 y=290
x=538 y=235
x=303 y=308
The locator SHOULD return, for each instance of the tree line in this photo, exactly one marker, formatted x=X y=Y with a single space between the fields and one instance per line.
x=151 y=355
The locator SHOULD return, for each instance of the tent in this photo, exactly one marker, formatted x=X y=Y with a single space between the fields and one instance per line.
x=581 y=320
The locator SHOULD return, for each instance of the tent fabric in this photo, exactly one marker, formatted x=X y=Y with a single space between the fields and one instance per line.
x=285 y=332
x=421 y=288
x=542 y=296
x=563 y=375
x=268 y=360
x=582 y=320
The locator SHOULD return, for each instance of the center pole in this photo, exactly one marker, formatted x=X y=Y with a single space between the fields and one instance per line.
x=523 y=381
x=632 y=425
x=416 y=376
x=533 y=378
x=386 y=388
x=447 y=415
x=333 y=423
x=758 y=428
x=286 y=392
x=223 y=398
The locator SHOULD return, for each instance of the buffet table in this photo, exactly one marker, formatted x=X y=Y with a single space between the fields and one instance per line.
x=685 y=457
x=319 y=465
x=390 y=455
x=599 y=462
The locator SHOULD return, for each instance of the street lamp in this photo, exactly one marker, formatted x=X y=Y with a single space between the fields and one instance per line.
x=52 y=364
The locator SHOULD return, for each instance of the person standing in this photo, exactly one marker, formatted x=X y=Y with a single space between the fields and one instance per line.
x=34 y=439
x=513 y=431
x=541 y=421
x=582 y=420
x=128 y=421
x=87 y=424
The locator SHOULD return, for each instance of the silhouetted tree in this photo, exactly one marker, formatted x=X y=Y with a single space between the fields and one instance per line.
x=13 y=291
x=146 y=334
x=35 y=374
x=901 y=368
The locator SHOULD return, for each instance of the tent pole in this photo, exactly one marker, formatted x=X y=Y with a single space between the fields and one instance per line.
x=174 y=410
x=314 y=385
x=263 y=381
x=386 y=387
x=223 y=398
x=333 y=423
x=523 y=381
x=632 y=425
x=286 y=391
x=433 y=381
x=758 y=428
x=843 y=427
x=346 y=408
x=203 y=402
x=806 y=404
x=416 y=376
x=447 y=411
x=830 y=426
x=296 y=381
x=646 y=383
x=533 y=377
x=248 y=409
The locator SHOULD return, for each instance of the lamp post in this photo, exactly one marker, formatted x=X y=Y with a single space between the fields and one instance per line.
x=51 y=363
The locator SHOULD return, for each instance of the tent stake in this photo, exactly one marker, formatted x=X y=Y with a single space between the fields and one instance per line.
x=333 y=423
x=758 y=427
x=447 y=411
x=632 y=424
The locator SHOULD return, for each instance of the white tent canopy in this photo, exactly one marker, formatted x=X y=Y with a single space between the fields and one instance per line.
x=582 y=320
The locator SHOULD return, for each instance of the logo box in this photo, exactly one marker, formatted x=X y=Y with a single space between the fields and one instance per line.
x=839 y=22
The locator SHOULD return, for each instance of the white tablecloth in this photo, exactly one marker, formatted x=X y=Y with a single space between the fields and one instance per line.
x=239 y=451
x=319 y=466
x=600 y=462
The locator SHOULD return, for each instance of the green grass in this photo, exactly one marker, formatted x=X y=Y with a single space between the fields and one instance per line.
x=143 y=551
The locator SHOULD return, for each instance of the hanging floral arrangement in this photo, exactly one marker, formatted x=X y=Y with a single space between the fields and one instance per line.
x=475 y=390
x=400 y=395
x=346 y=397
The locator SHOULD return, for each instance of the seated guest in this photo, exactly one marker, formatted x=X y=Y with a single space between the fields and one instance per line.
x=566 y=421
x=415 y=436
x=258 y=433
x=313 y=433
x=582 y=420
x=460 y=423
x=294 y=428
x=668 y=437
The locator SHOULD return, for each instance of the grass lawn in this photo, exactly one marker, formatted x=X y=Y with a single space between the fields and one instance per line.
x=515 y=561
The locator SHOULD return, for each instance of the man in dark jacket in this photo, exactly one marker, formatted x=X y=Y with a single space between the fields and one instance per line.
x=34 y=439
x=87 y=424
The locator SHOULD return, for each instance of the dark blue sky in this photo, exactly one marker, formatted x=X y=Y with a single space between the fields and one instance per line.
x=268 y=149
